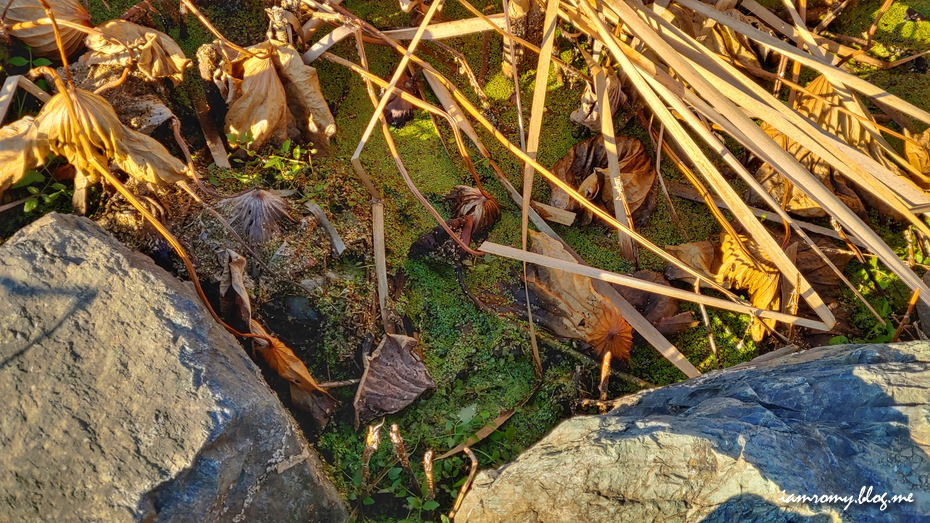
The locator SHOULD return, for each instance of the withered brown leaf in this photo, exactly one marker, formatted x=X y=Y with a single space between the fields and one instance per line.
x=21 y=149
x=282 y=360
x=575 y=309
x=304 y=96
x=140 y=156
x=588 y=158
x=27 y=20
x=394 y=377
x=156 y=54
x=589 y=114
x=260 y=107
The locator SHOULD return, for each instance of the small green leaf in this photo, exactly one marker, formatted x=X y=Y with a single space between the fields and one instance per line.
x=32 y=176
x=467 y=413
x=414 y=502
x=18 y=61
x=52 y=197
x=30 y=205
x=394 y=473
x=41 y=62
x=43 y=84
x=32 y=189
x=286 y=146
x=58 y=186
x=368 y=501
x=838 y=340
x=430 y=505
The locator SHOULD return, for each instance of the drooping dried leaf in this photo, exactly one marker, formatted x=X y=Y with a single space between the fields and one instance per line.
x=260 y=106
x=589 y=157
x=146 y=159
x=575 y=309
x=918 y=155
x=589 y=114
x=282 y=360
x=470 y=201
x=257 y=214
x=394 y=377
x=760 y=280
x=662 y=311
x=157 y=55
x=21 y=149
x=796 y=201
x=701 y=256
x=27 y=20
x=304 y=97
x=321 y=408
x=136 y=154
x=235 y=305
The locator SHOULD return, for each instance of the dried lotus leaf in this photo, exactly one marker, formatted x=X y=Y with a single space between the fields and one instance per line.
x=724 y=40
x=157 y=55
x=469 y=201
x=700 y=256
x=21 y=149
x=261 y=108
x=304 y=97
x=138 y=155
x=394 y=377
x=579 y=311
x=27 y=20
x=95 y=115
x=760 y=279
x=144 y=158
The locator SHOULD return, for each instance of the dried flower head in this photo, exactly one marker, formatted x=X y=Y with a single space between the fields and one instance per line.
x=257 y=214
x=481 y=206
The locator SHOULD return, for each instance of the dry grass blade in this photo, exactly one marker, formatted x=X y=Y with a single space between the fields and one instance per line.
x=532 y=144
x=789 y=166
x=627 y=281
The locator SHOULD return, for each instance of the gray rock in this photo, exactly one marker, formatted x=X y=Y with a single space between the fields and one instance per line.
x=124 y=401
x=728 y=446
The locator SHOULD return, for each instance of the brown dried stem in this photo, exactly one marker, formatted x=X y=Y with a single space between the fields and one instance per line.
x=401 y=452
x=467 y=484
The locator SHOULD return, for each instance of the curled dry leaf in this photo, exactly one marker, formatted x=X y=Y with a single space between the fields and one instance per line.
x=574 y=309
x=235 y=305
x=304 y=96
x=481 y=206
x=728 y=265
x=20 y=150
x=156 y=54
x=27 y=20
x=394 y=377
x=589 y=114
x=140 y=156
x=398 y=112
x=282 y=360
x=260 y=106
x=257 y=213
x=273 y=95
x=724 y=40
x=589 y=158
